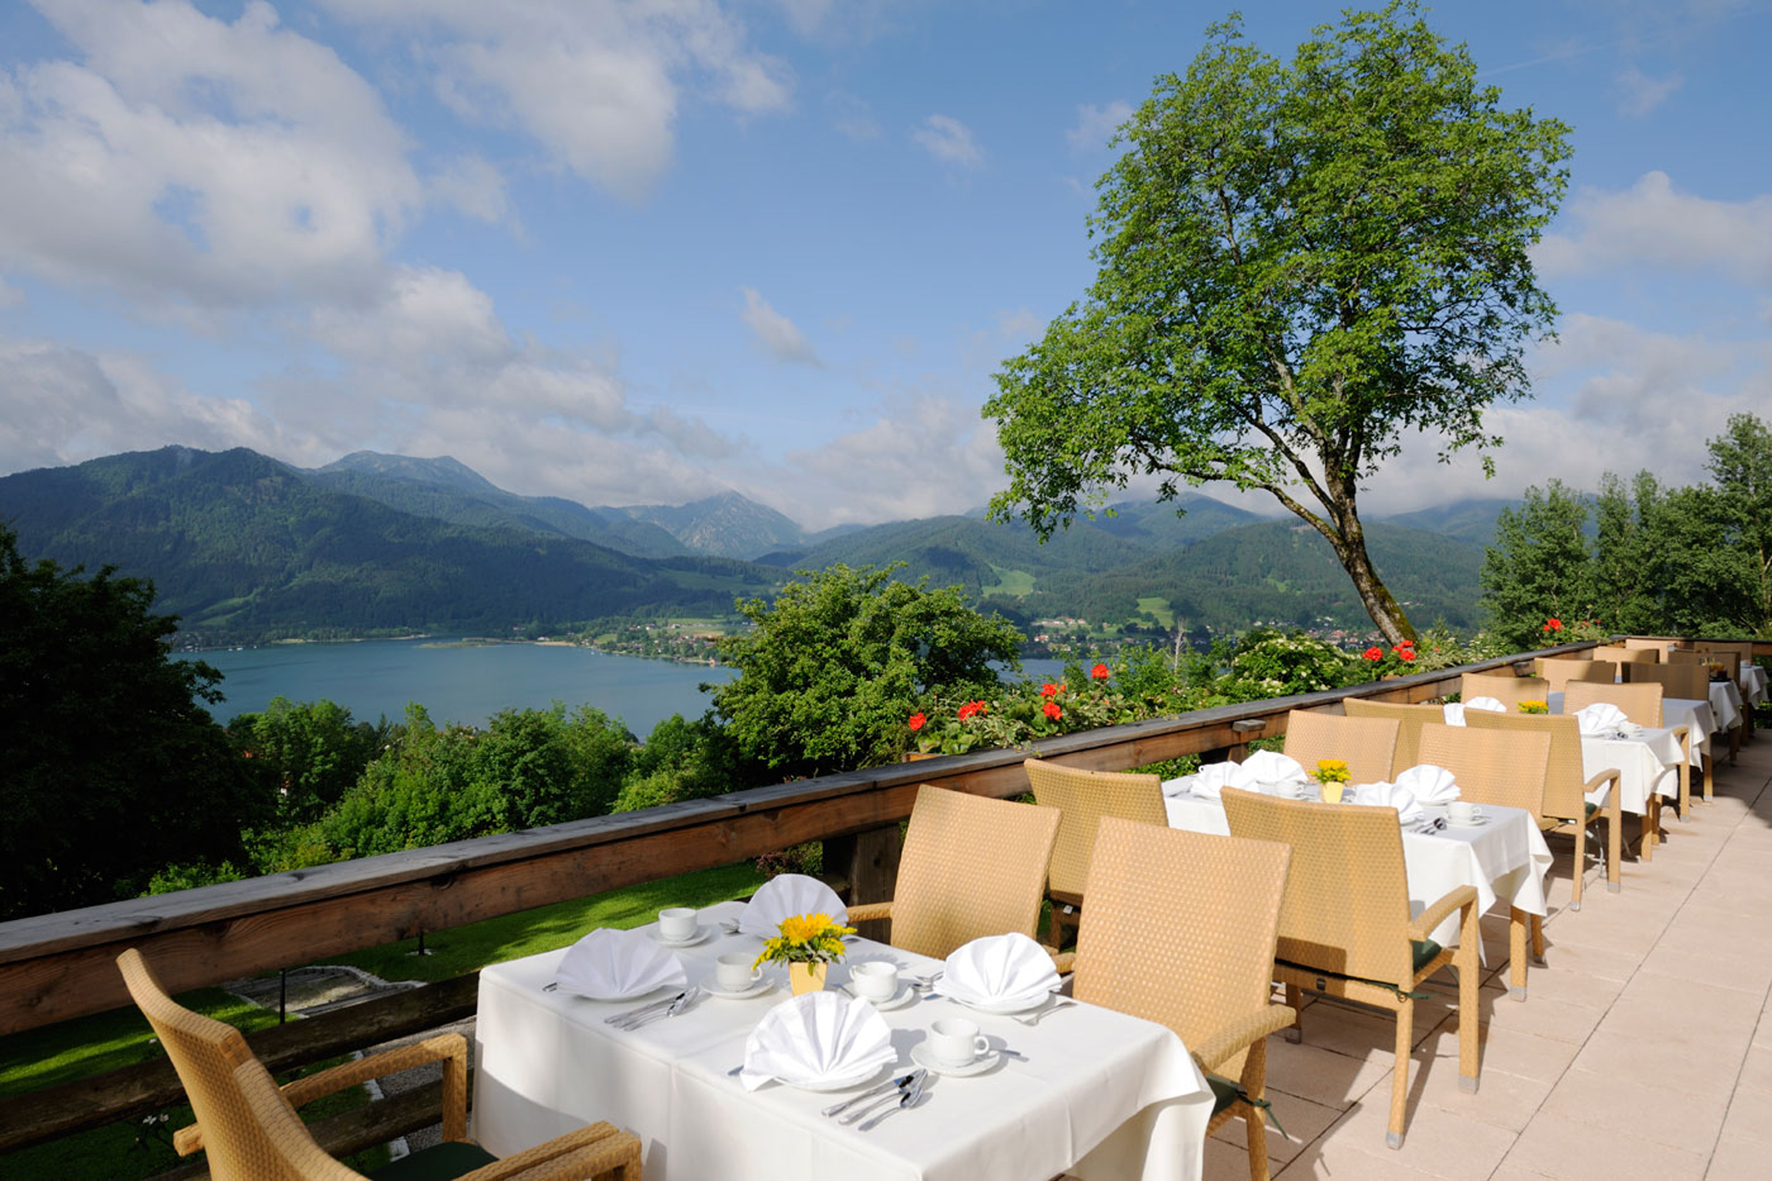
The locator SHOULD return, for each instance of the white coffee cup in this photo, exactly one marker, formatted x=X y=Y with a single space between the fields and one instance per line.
x=734 y=971
x=1290 y=791
x=876 y=980
x=1463 y=812
x=955 y=1041
x=677 y=923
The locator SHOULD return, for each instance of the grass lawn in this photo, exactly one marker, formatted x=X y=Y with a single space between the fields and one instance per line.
x=1010 y=582
x=1159 y=609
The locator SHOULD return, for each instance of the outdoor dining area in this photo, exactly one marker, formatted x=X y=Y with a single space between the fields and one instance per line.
x=1377 y=946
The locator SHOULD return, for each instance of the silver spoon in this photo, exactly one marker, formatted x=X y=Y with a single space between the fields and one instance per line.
x=910 y=1100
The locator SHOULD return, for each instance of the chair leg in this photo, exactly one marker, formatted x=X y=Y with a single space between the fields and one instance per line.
x=1710 y=782
x=1538 y=940
x=1054 y=927
x=1685 y=785
x=1516 y=938
x=1393 y=1136
x=1254 y=1082
x=1468 y=1013
x=1651 y=822
x=1580 y=867
x=1614 y=845
x=1295 y=1002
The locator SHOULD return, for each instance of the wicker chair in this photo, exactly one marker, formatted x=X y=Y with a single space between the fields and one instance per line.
x=1510 y=691
x=211 y=1057
x=1566 y=809
x=1206 y=909
x=1558 y=673
x=1345 y=929
x=972 y=866
x=1687 y=682
x=1625 y=654
x=1367 y=745
x=1641 y=704
x=1686 y=656
x=1409 y=718
x=1506 y=769
x=1082 y=799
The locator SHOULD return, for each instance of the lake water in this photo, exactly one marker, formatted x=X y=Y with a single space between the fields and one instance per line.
x=470 y=683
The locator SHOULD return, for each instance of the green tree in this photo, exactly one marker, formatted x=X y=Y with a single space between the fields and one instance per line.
x=1630 y=564
x=1539 y=567
x=306 y=755
x=113 y=767
x=832 y=669
x=1741 y=466
x=1300 y=266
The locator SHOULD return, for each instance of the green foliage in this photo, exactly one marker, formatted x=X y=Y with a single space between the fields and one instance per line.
x=112 y=765
x=1299 y=264
x=835 y=665
x=1269 y=663
x=188 y=877
x=305 y=755
x=1539 y=568
x=1741 y=468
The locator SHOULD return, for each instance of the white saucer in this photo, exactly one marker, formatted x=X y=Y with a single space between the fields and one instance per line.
x=843 y=1083
x=702 y=932
x=922 y=1057
x=897 y=1000
x=712 y=985
x=1002 y=1008
x=1479 y=822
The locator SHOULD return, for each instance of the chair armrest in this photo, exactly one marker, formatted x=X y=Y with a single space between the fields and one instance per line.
x=863 y=911
x=1594 y=783
x=1063 y=962
x=588 y=1152
x=1684 y=735
x=1233 y=1037
x=1435 y=914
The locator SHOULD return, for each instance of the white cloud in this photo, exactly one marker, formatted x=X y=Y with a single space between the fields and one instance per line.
x=1639 y=93
x=948 y=139
x=599 y=85
x=779 y=335
x=473 y=186
x=1656 y=224
x=852 y=117
x=1096 y=125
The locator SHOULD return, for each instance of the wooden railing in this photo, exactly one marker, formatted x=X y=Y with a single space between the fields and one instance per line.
x=60 y=966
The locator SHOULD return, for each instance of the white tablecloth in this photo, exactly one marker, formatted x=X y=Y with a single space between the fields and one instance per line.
x=1102 y=1094
x=1725 y=703
x=1649 y=763
x=1696 y=716
x=1755 y=678
x=1505 y=859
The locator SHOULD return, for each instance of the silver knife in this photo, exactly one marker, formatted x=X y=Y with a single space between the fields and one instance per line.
x=901 y=1081
x=632 y=1013
x=909 y=1099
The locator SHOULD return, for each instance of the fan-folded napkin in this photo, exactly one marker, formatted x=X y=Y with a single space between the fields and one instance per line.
x=1602 y=717
x=788 y=895
x=1215 y=777
x=1429 y=784
x=611 y=965
x=815 y=1039
x=1390 y=795
x=1272 y=771
x=999 y=970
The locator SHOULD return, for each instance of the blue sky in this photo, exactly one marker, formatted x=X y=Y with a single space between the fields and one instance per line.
x=635 y=252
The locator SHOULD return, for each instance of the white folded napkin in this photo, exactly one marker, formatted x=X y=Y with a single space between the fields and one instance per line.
x=1429 y=784
x=1215 y=777
x=815 y=1039
x=1454 y=711
x=1272 y=771
x=611 y=965
x=784 y=897
x=999 y=970
x=1390 y=795
x=1601 y=718
x=1488 y=703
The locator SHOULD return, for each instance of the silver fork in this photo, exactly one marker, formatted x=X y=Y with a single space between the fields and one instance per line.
x=1039 y=1015
x=624 y=1017
x=676 y=1007
x=909 y=1100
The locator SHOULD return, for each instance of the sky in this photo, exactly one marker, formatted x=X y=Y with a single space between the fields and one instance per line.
x=642 y=251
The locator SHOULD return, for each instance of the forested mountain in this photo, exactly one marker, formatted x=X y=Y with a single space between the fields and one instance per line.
x=727 y=525
x=245 y=547
x=1469 y=521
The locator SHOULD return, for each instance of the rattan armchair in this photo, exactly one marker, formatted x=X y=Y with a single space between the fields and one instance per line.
x=1205 y=910
x=1507 y=769
x=1641 y=703
x=972 y=866
x=1345 y=929
x=211 y=1059
x=1558 y=673
x=1686 y=682
x=1082 y=799
x=1626 y=654
x=1367 y=745
x=1566 y=809
x=1409 y=718
x=1510 y=691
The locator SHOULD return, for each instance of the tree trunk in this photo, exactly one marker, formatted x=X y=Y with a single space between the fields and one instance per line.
x=1374 y=595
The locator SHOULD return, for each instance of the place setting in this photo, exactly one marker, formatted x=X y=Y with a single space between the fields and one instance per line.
x=611 y=965
x=681 y=926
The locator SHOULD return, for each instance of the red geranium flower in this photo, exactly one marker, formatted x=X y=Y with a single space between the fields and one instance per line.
x=916 y=722
x=1100 y=672
x=1048 y=689
x=971 y=709
x=1553 y=625
x=1374 y=653
x=1052 y=710
x=1407 y=654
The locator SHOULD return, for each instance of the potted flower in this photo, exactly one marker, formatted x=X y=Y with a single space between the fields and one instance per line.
x=1534 y=707
x=807 y=945
x=1333 y=775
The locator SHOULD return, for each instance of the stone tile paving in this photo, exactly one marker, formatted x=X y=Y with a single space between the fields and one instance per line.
x=1644 y=1049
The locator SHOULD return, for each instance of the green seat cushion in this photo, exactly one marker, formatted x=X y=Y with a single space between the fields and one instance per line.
x=440 y=1162
x=1225 y=1091
x=1425 y=950
x=1588 y=810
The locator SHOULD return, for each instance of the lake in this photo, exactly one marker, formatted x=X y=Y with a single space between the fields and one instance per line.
x=470 y=682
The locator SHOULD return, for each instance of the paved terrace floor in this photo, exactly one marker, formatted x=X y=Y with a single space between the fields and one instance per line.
x=1644 y=1049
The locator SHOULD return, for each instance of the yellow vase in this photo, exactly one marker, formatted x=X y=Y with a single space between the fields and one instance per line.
x=807 y=977
x=1332 y=792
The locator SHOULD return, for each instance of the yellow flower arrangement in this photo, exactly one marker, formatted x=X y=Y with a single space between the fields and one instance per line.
x=1534 y=707
x=1332 y=771
x=805 y=939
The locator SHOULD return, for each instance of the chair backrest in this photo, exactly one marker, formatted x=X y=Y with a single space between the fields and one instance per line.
x=1641 y=702
x=1557 y=673
x=1367 y=745
x=1685 y=656
x=1660 y=644
x=1564 y=777
x=1082 y=798
x=1731 y=655
x=1180 y=927
x=1410 y=719
x=972 y=866
x=292 y=1153
x=205 y=1054
x=1491 y=766
x=1625 y=654
x=1510 y=691
x=1346 y=909
x=1688 y=681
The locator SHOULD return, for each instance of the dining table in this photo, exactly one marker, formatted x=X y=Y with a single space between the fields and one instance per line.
x=1095 y=1094
x=1755 y=678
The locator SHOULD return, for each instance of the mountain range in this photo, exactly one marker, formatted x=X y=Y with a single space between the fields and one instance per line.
x=245 y=547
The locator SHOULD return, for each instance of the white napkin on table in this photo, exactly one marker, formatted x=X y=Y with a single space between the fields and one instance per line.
x=1454 y=711
x=816 y=1038
x=1390 y=795
x=611 y=965
x=1488 y=703
x=784 y=897
x=1429 y=784
x=1271 y=771
x=999 y=970
x=1215 y=777
x=1602 y=718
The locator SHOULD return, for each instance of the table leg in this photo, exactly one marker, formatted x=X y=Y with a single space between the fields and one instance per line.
x=1709 y=778
x=1516 y=932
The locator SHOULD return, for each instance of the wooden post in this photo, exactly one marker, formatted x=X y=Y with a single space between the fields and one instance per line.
x=868 y=861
